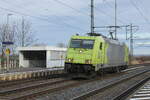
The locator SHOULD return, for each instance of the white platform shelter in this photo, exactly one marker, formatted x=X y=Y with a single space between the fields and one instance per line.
x=41 y=56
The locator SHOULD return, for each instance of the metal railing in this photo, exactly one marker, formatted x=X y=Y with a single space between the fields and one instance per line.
x=7 y=65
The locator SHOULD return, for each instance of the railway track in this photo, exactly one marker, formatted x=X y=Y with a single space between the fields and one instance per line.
x=32 y=90
x=54 y=87
x=112 y=87
x=26 y=90
x=91 y=89
x=22 y=81
x=71 y=93
x=17 y=82
x=140 y=95
x=143 y=93
x=47 y=87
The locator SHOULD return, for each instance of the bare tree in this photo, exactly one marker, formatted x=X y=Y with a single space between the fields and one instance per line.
x=24 y=33
x=7 y=33
x=20 y=33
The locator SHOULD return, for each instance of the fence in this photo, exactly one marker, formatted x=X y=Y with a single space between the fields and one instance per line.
x=12 y=63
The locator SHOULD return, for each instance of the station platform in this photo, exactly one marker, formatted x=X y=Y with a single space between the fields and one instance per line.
x=25 y=73
x=142 y=94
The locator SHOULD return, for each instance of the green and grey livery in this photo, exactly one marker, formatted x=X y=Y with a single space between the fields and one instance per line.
x=95 y=53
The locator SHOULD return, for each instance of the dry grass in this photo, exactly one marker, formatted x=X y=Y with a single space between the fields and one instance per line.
x=141 y=59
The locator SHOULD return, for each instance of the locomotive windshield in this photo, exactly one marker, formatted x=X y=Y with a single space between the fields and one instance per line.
x=86 y=44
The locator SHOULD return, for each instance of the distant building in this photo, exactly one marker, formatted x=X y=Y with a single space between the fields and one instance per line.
x=41 y=56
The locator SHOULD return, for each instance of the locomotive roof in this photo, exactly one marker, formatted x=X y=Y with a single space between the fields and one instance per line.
x=111 y=41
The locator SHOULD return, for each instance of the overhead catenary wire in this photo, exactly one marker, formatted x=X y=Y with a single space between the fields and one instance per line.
x=108 y=4
x=56 y=17
x=108 y=15
x=64 y=4
x=67 y=5
x=41 y=15
x=40 y=18
x=74 y=9
x=140 y=12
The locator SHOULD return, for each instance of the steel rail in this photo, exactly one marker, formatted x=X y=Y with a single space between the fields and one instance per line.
x=31 y=86
x=22 y=81
x=130 y=90
x=93 y=92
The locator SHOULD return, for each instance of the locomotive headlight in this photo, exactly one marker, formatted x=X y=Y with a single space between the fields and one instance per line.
x=70 y=60
x=88 y=61
x=80 y=51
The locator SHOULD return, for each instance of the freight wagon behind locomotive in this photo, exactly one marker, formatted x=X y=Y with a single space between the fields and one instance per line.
x=91 y=54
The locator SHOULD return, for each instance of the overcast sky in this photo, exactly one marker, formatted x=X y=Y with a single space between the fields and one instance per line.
x=55 y=21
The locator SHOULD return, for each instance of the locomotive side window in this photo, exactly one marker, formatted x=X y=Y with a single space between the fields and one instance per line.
x=101 y=45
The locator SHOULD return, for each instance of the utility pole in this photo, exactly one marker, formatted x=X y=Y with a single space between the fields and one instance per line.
x=115 y=19
x=132 y=40
x=23 y=33
x=92 y=16
x=114 y=27
x=7 y=39
x=131 y=43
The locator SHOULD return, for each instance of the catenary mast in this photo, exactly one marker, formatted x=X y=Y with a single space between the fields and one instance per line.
x=92 y=16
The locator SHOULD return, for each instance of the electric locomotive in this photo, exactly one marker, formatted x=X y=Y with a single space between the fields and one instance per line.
x=93 y=54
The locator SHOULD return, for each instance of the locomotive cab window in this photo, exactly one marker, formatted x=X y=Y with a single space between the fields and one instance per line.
x=86 y=44
x=75 y=43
